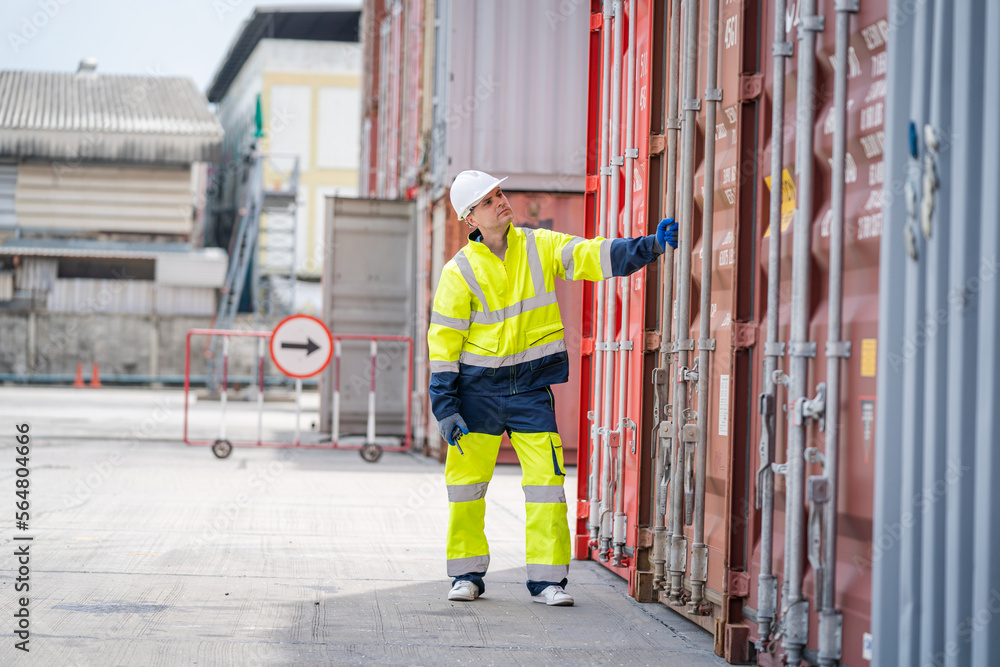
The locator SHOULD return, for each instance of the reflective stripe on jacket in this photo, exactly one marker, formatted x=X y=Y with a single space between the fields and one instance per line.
x=495 y=327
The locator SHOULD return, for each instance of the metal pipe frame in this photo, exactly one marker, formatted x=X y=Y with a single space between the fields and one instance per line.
x=609 y=332
x=767 y=583
x=796 y=606
x=664 y=442
x=830 y=620
x=594 y=487
x=631 y=153
x=678 y=542
x=706 y=343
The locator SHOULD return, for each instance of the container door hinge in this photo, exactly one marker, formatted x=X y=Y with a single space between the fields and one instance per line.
x=657 y=143
x=739 y=584
x=751 y=86
x=744 y=335
x=651 y=341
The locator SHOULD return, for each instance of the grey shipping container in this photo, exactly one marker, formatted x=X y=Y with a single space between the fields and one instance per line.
x=368 y=288
x=936 y=578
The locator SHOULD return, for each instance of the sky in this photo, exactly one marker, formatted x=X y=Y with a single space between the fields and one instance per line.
x=167 y=37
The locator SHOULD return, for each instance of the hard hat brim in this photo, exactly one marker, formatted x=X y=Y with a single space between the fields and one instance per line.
x=481 y=197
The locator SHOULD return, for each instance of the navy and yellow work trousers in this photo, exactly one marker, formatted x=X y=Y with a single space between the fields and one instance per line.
x=529 y=420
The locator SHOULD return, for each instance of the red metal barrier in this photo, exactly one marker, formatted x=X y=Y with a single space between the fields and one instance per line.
x=222 y=446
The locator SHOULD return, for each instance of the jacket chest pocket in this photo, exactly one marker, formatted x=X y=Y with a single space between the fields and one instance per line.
x=482 y=345
x=542 y=335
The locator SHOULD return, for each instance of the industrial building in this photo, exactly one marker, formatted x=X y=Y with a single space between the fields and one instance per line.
x=100 y=181
x=286 y=93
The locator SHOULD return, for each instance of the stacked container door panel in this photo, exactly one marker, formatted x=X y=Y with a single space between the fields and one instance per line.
x=738 y=252
x=634 y=287
x=862 y=235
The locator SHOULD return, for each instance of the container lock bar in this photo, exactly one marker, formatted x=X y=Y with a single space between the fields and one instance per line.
x=812 y=24
x=772 y=349
x=814 y=531
x=632 y=153
x=706 y=344
x=673 y=123
x=813 y=455
x=813 y=408
x=617 y=161
x=851 y=6
x=840 y=348
x=713 y=94
x=692 y=104
x=626 y=423
x=785 y=49
x=606 y=171
x=625 y=345
x=802 y=349
x=687 y=375
x=684 y=344
x=831 y=636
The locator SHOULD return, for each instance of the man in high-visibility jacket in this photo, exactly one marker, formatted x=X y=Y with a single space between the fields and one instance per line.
x=496 y=344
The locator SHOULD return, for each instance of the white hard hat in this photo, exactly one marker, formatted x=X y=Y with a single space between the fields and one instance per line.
x=469 y=189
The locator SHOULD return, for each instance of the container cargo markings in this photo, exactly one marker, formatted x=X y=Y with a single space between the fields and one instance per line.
x=853 y=64
x=873 y=144
x=869 y=226
x=874 y=200
x=850 y=168
x=876 y=173
x=876 y=91
x=872 y=116
x=875 y=35
x=723 y=405
x=880 y=64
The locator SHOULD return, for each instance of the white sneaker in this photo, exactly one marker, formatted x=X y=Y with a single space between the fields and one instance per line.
x=554 y=596
x=465 y=591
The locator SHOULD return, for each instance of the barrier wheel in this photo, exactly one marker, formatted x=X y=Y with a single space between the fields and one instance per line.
x=371 y=452
x=222 y=448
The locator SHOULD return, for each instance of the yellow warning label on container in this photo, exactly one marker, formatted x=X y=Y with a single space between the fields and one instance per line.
x=869 y=354
x=787 y=200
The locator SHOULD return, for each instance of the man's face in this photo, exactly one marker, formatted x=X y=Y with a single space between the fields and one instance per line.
x=493 y=213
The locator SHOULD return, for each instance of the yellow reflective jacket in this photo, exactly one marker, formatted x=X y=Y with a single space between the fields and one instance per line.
x=495 y=326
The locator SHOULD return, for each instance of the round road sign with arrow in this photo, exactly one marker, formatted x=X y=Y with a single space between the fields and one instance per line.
x=301 y=346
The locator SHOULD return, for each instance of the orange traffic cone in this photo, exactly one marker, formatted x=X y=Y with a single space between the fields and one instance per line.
x=95 y=379
x=78 y=382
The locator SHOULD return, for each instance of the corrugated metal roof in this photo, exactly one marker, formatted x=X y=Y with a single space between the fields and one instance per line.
x=317 y=23
x=63 y=115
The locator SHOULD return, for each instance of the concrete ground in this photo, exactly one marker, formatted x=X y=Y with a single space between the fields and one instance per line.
x=150 y=552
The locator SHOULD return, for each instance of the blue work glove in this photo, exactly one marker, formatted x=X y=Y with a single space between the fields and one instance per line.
x=666 y=233
x=452 y=428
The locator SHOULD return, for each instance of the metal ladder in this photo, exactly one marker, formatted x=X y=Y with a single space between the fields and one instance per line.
x=241 y=252
x=241 y=248
x=276 y=269
x=274 y=272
